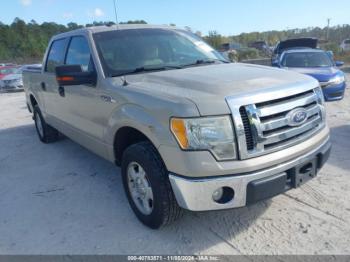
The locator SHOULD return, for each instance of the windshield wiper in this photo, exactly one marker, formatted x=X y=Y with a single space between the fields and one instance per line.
x=204 y=61
x=147 y=69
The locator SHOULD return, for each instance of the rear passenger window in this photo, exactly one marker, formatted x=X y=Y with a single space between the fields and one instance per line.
x=56 y=55
x=79 y=53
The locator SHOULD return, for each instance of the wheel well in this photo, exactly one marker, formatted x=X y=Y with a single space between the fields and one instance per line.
x=33 y=101
x=125 y=137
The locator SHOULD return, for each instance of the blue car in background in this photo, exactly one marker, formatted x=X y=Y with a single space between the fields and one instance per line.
x=318 y=64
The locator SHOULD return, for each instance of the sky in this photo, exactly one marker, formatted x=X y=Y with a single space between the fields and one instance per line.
x=228 y=17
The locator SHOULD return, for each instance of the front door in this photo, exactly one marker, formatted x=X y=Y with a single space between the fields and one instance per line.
x=85 y=110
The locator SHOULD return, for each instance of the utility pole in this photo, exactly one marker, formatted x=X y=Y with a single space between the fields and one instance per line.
x=328 y=22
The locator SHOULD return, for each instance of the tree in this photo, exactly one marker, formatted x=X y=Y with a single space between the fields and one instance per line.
x=134 y=22
x=214 y=39
x=73 y=26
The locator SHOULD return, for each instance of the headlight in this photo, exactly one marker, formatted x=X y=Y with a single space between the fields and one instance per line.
x=214 y=134
x=338 y=79
x=320 y=100
x=320 y=96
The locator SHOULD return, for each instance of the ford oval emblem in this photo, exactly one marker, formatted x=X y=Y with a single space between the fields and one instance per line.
x=297 y=117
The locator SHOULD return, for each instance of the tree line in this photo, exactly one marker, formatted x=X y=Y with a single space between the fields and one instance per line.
x=331 y=36
x=23 y=42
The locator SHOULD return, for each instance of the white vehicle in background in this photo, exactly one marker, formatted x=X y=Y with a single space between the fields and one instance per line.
x=31 y=67
x=12 y=81
x=345 y=45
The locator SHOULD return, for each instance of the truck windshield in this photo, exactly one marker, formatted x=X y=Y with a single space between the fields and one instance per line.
x=130 y=51
x=307 y=59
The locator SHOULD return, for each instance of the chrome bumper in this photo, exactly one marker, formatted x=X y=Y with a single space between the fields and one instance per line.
x=196 y=194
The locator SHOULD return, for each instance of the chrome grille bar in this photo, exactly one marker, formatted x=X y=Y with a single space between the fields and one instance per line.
x=283 y=121
x=263 y=125
x=286 y=106
x=290 y=132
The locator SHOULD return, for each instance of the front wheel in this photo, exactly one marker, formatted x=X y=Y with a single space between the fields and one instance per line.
x=147 y=186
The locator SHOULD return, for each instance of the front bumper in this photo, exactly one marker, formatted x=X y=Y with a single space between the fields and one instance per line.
x=11 y=86
x=334 y=93
x=196 y=194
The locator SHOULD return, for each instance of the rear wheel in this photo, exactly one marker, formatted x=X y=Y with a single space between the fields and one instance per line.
x=46 y=133
x=147 y=186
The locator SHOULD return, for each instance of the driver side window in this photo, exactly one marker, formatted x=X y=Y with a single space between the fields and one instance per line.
x=79 y=54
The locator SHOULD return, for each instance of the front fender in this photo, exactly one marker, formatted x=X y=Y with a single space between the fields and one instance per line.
x=154 y=127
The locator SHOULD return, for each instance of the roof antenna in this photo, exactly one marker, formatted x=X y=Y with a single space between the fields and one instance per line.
x=115 y=12
x=123 y=78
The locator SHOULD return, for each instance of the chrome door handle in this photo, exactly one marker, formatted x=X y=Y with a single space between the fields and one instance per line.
x=107 y=99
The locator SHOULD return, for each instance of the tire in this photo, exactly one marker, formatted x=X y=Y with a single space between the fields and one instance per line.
x=164 y=208
x=47 y=134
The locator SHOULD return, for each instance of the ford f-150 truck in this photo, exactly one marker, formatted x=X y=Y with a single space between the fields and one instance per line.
x=189 y=130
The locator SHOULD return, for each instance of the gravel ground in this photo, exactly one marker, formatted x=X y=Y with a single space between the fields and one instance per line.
x=62 y=199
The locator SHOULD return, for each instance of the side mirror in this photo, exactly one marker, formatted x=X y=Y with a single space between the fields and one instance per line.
x=69 y=75
x=339 y=63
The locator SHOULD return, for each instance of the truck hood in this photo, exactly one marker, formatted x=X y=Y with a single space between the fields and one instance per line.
x=322 y=74
x=208 y=86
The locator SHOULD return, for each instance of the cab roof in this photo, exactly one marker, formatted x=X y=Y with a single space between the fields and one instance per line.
x=105 y=28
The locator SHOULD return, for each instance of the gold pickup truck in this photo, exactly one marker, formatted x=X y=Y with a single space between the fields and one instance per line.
x=189 y=129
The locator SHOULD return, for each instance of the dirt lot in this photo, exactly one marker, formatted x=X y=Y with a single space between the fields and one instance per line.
x=62 y=199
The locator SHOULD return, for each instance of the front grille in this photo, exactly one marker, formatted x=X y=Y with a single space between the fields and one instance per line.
x=268 y=125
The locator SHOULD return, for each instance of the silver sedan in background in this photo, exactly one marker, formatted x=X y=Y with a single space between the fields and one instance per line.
x=12 y=80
